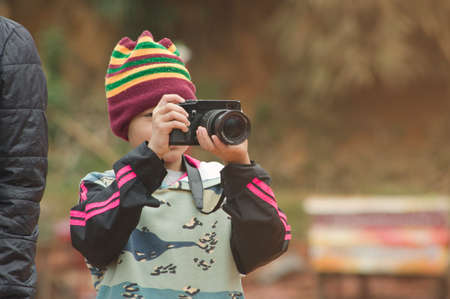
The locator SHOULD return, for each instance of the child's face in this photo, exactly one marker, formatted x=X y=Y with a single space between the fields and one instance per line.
x=140 y=130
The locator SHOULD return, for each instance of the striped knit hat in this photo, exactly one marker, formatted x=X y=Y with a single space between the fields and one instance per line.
x=139 y=74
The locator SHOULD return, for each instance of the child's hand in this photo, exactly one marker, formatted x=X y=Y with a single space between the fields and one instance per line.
x=167 y=116
x=228 y=153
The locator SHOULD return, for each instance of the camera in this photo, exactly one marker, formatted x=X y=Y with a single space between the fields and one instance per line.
x=222 y=118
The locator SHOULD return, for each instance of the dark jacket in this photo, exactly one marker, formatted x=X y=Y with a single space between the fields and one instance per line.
x=106 y=215
x=23 y=158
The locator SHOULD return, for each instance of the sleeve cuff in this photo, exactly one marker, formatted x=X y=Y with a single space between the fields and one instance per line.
x=235 y=177
x=149 y=168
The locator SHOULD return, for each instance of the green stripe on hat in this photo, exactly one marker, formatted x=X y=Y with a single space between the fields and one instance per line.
x=147 y=72
x=117 y=54
x=143 y=45
x=149 y=45
x=144 y=61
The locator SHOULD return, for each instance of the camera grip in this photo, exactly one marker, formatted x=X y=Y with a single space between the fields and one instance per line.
x=178 y=137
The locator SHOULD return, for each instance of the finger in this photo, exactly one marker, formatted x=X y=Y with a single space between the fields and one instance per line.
x=203 y=139
x=167 y=127
x=165 y=99
x=171 y=98
x=174 y=115
x=172 y=107
x=218 y=143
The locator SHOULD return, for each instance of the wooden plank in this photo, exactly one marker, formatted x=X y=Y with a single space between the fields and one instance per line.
x=379 y=235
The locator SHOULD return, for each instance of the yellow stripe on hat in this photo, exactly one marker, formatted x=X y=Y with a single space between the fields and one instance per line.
x=172 y=48
x=145 y=38
x=138 y=69
x=140 y=52
x=127 y=85
x=122 y=49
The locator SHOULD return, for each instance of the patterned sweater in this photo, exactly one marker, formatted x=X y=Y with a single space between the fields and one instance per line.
x=144 y=240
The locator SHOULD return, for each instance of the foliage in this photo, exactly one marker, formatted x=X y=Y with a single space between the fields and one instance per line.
x=331 y=56
x=334 y=88
x=331 y=47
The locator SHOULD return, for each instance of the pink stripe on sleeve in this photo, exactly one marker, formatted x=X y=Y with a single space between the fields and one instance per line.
x=273 y=203
x=104 y=209
x=78 y=214
x=282 y=215
x=102 y=203
x=263 y=186
x=288 y=235
x=77 y=222
x=126 y=178
x=83 y=193
x=86 y=216
x=122 y=171
x=263 y=196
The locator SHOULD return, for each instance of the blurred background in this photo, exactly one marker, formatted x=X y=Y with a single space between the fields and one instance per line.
x=345 y=98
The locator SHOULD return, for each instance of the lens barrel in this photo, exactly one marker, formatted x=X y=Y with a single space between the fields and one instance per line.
x=231 y=126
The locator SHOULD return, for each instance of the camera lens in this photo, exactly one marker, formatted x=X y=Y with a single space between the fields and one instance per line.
x=231 y=126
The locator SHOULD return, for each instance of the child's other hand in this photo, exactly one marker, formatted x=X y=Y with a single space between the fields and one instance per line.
x=228 y=153
x=166 y=116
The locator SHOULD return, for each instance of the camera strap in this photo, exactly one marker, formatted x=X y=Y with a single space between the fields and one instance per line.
x=195 y=183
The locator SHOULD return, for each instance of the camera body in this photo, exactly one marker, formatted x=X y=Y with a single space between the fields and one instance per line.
x=222 y=118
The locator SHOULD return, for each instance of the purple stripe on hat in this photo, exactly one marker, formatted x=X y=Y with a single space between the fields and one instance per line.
x=146 y=33
x=127 y=43
x=130 y=44
x=166 y=42
x=124 y=106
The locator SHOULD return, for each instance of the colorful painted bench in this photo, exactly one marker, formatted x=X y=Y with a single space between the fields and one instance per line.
x=379 y=236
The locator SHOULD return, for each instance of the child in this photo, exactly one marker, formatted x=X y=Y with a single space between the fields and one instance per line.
x=144 y=227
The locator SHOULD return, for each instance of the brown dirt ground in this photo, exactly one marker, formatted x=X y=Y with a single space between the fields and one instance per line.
x=62 y=274
x=305 y=285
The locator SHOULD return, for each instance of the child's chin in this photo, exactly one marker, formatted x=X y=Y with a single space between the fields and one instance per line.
x=178 y=149
x=175 y=152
